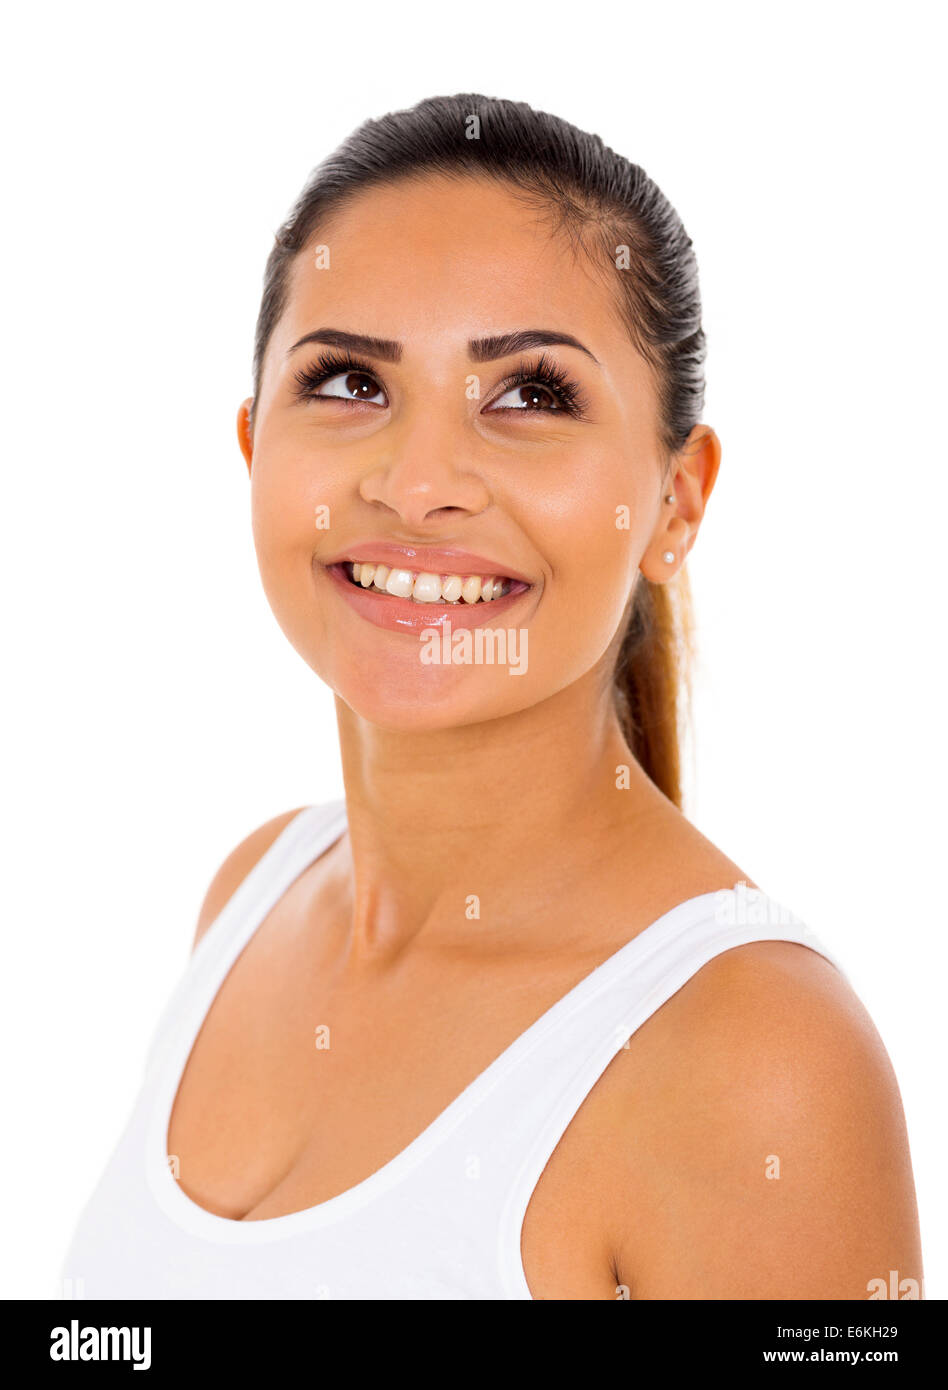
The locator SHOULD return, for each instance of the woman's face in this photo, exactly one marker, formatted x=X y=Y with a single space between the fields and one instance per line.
x=424 y=453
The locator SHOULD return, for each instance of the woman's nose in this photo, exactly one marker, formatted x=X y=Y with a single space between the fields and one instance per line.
x=427 y=467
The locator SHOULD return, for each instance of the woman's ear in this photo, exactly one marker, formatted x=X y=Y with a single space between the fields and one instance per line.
x=688 y=488
x=244 y=432
x=699 y=462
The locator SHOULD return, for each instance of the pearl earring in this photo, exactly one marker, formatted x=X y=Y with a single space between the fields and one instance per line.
x=669 y=556
x=670 y=497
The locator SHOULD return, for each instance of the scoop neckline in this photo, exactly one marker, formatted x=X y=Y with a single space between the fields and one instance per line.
x=188 y=1214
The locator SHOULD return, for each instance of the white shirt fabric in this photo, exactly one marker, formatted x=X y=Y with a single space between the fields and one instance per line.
x=441 y=1220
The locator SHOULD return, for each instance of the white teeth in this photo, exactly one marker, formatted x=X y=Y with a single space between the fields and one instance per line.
x=399 y=583
x=426 y=587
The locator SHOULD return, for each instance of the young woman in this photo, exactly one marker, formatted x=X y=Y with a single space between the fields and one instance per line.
x=503 y=1023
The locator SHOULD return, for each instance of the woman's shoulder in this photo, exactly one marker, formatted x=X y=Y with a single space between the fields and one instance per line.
x=776 y=1139
x=767 y=1002
x=761 y=1011
x=238 y=864
x=765 y=1025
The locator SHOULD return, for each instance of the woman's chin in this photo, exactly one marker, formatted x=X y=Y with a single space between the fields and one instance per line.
x=430 y=699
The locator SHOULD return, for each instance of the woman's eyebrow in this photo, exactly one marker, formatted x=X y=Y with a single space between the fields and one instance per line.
x=384 y=348
x=487 y=349
x=479 y=349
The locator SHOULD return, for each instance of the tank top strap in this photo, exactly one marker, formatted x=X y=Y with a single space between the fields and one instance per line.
x=553 y=1067
x=298 y=844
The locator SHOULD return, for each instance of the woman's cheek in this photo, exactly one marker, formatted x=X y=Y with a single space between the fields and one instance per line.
x=291 y=513
x=285 y=537
x=593 y=537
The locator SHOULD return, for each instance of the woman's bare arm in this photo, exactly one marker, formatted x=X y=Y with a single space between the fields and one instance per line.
x=767 y=1154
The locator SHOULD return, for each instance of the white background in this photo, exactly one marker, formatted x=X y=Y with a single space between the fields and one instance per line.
x=154 y=712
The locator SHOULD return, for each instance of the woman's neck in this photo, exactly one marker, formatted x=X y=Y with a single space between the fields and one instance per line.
x=487 y=817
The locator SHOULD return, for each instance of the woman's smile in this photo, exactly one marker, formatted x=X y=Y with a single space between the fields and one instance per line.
x=404 y=600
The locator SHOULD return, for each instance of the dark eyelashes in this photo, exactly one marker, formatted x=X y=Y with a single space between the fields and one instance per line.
x=327 y=365
x=545 y=372
x=541 y=372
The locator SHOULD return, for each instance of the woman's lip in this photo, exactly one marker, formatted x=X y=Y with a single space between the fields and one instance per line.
x=405 y=615
x=426 y=559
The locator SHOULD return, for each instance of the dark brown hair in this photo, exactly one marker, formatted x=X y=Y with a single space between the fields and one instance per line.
x=612 y=209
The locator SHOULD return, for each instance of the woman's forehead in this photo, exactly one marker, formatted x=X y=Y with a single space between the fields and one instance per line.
x=462 y=256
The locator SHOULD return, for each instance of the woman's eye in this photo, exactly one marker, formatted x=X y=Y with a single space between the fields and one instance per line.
x=531 y=396
x=352 y=386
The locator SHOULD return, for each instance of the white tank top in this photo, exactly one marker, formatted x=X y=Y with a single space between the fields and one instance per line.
x=441 y=1220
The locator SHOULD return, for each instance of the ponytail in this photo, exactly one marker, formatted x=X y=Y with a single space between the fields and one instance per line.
x=653 y=680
